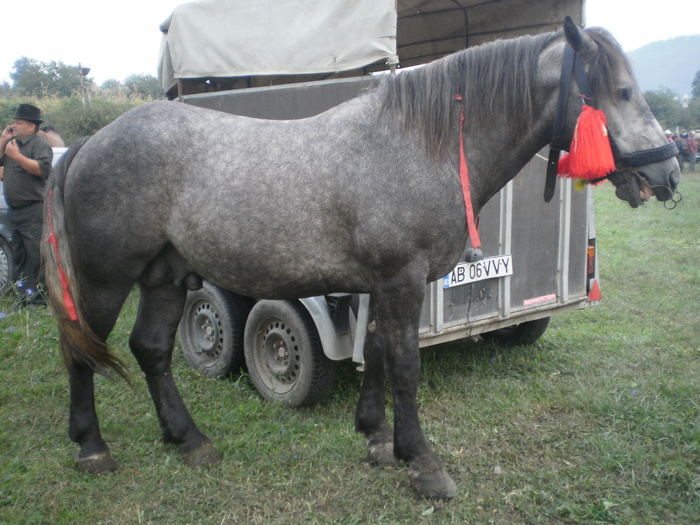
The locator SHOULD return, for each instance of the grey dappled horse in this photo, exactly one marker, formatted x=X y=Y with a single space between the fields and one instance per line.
x=365 y=197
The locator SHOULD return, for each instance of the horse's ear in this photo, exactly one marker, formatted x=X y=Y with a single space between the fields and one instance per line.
x=579 y=40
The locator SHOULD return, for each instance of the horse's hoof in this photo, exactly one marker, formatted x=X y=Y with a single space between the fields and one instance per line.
x=433 y=484
x=382 y=453
x=95 y=464
x=203 y=456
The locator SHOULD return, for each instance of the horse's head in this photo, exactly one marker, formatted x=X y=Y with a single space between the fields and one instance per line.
x=645 y=161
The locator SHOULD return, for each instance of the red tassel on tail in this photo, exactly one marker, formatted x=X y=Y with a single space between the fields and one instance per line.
x=67 y=297
x=590 y=156
x=53 y=241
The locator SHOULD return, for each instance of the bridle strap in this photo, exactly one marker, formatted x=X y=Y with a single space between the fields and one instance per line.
x=640 y=158
x=649 y=156
x=584 y=87
x=567 y=69
x=571 y=65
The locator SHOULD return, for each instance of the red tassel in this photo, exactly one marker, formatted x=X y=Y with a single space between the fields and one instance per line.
x=53 y=241
x=563 y=169
x=67 y=297
x=590 y=156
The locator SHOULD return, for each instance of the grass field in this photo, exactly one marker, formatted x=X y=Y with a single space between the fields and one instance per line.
x=598 y=422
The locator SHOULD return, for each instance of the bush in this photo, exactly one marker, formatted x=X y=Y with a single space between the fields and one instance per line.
x=72 y=117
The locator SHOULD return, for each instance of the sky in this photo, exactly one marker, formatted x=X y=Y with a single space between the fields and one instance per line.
x=118 y=39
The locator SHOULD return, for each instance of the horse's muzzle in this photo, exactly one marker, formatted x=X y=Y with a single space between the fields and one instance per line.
x=636 y=187
x=644 y=173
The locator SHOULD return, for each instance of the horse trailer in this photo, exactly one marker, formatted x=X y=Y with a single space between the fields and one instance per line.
x=539 y=259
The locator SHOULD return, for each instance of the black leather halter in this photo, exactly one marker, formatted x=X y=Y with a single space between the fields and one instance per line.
x=573 y=65
x=647 y=156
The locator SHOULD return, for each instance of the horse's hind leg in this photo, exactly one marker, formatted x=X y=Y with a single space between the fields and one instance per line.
x=84 y=428
x=101 y=306
x=151 y=342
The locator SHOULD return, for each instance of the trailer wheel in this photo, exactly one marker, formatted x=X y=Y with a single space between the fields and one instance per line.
x=211 y=330
x=7 y=266
x=519 y=334
x=284 y=355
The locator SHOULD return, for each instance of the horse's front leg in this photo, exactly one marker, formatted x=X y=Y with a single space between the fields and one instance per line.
x=399 y=317
x=371 y=409
x=152 y=343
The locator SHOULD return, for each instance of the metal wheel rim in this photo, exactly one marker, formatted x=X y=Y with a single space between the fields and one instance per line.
x=279 y=357
x=4 y=269
x=207 y=334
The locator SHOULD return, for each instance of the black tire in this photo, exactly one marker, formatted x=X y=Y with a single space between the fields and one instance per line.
x=7 y=267
x=519 y=334
x=211 y=330
x=284 y=355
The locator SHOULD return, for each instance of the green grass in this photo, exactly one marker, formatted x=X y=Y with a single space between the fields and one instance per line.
x=598 y=422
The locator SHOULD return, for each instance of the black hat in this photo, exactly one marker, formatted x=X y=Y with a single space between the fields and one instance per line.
x=29 y=112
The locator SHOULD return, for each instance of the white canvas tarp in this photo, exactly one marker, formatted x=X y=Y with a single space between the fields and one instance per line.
x=269 y=41
x=236 y=38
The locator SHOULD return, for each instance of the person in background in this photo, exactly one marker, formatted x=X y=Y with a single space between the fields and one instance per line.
x=26 y=161
x=680 y=144
x=692 y=151
x=684 y=147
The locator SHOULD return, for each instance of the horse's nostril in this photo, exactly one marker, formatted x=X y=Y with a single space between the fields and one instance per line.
x=663 y=194
x=673 y=180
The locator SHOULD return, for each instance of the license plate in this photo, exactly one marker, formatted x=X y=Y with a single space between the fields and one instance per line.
x=488 y=268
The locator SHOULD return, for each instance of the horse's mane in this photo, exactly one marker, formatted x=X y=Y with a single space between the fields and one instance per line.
x=423 y=99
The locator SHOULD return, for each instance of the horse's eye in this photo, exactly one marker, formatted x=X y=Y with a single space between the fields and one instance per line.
x=624 y=94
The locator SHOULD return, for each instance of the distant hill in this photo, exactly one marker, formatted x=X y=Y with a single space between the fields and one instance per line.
x=668 y=63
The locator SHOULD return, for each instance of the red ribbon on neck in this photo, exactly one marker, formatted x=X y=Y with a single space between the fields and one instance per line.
x=464 y=179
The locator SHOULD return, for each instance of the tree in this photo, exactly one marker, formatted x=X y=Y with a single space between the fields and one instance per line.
x=666 y=107
x=40 y=79
x=28 y=78
x=694 y=113
x=110 y=84
x=5 y=90
x=696 y=85
x=143 y=86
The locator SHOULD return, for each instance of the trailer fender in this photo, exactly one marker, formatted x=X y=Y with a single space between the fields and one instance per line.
x=335 y=346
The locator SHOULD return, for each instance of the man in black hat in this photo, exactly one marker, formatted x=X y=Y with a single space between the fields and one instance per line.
x=26 y=158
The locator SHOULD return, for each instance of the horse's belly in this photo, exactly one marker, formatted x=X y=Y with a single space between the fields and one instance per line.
x=273 y=263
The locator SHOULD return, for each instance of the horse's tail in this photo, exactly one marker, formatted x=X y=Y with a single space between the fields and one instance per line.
x=79 y=343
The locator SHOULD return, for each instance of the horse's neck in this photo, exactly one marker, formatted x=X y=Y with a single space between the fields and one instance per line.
x=513 y=122
x=508 y=113
x=496 y=159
